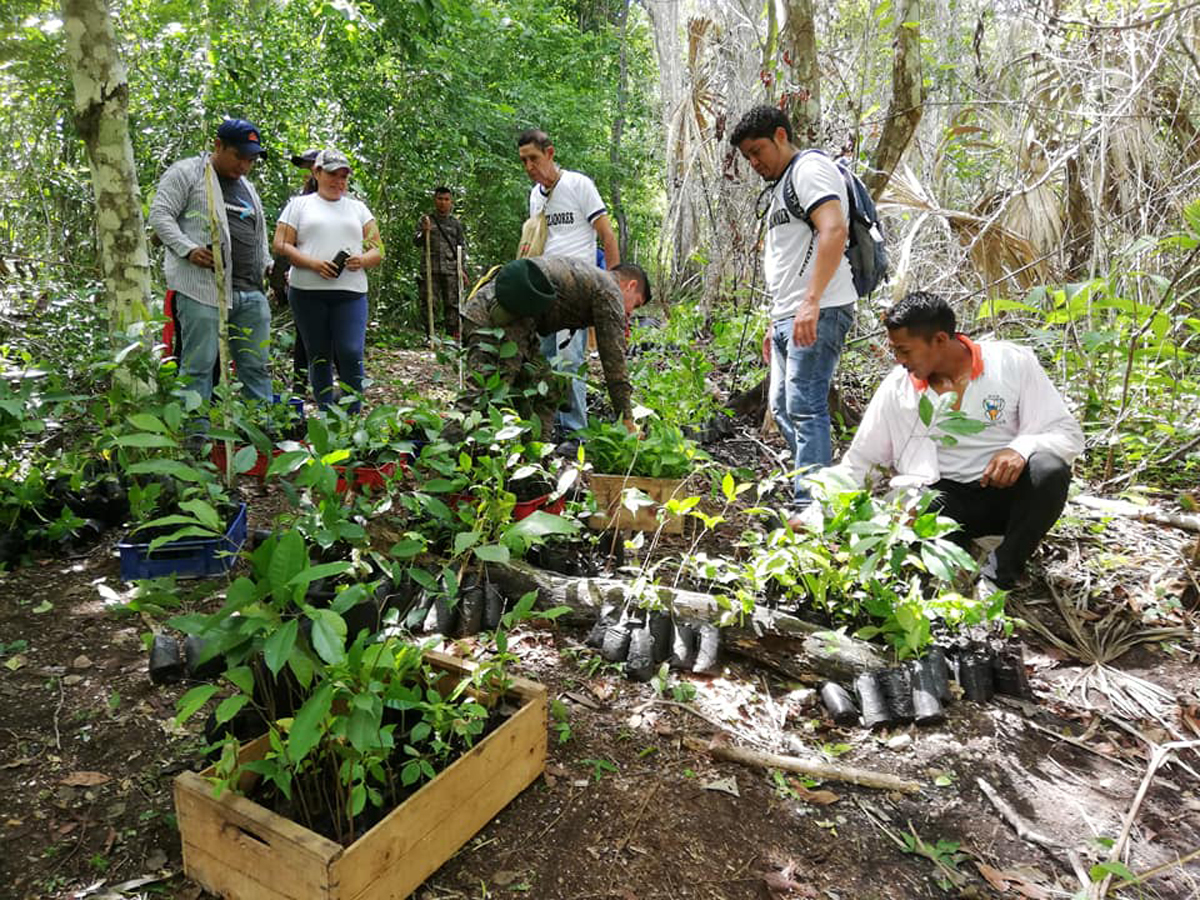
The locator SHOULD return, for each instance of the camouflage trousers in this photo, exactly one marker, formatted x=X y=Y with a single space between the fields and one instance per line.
x=445 y=302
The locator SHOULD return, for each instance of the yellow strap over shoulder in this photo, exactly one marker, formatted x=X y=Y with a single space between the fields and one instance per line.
x=491 y=273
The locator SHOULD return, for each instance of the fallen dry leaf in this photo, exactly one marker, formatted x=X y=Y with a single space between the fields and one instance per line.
x=582 y=699
x=1005 y=881
x=85 y=779
x=992 y=876
x=724 y=785
x=780 y=885
x=821 y=798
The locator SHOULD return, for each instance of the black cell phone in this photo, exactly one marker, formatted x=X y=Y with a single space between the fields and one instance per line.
x=339 y=261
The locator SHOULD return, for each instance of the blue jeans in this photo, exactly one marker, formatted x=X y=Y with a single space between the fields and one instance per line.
x=570 y=361
x=799 y=389
x=249 y=339
x=334 y=327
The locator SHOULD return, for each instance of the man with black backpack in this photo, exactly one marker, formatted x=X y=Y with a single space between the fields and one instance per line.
x=810 y=281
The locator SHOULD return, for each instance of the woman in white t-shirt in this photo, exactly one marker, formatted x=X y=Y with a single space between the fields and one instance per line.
x=330 y=240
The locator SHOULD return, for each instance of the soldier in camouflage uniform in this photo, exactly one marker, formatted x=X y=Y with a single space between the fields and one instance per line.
x=532 y=297
x=446 y=235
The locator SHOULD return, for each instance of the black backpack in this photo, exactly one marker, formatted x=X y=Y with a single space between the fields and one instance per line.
x=865 y=248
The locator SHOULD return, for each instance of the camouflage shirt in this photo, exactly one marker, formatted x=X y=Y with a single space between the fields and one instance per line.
x=446 y=235
x=585 y=296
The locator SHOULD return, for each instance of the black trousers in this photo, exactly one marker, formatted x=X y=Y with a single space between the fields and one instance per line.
x=1022 y=513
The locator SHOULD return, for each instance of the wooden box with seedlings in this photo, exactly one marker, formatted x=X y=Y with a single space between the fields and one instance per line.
x=239 y=849
x=351 y=761
x=635 y=477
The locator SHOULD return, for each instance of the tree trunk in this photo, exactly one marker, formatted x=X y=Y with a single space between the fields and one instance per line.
x=800 y=44
x=908 y=97
x=101 y=102
x=618 y=127
x=830 y=654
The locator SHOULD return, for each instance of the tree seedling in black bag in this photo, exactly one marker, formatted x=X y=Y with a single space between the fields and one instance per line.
x=493 y=607
x=897 y=693
x=839 y=703
x=470 y=611
x=975 y=676
x=420 y=609
x=662 y=631
x=639 y=665
x=709 y=651
x=939 y=671
x=684 y=646
x=199 y=668
x=927 y=707
x=608 y=615
x=615 y=645
x=1008 y=673
x=871 y=700
x=166 y=662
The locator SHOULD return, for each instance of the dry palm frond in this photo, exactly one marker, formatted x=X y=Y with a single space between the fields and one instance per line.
x=997 y=252
x=1099 y=641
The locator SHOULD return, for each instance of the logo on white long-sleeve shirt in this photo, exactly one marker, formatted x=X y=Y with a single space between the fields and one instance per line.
x=993 y=409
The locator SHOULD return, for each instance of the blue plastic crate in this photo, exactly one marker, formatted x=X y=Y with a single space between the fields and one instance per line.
x=187 y=558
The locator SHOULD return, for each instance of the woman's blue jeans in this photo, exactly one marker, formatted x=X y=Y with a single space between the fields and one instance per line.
x=333 y=325
x=799 y=389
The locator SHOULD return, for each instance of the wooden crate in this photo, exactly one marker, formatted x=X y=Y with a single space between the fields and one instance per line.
x=613 y=514
x=239 y=850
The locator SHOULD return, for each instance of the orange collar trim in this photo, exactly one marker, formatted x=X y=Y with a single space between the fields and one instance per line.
x=976 y=363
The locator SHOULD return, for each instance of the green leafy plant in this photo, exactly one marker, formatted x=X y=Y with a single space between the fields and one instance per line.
x=659 y=451
x=353 y=722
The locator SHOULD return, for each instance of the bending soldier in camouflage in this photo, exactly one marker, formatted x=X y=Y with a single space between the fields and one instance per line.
x=532 y=297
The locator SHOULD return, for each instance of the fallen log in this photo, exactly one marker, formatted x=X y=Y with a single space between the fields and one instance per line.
x=1110 y=507
x=810 y=768
x=829 y=653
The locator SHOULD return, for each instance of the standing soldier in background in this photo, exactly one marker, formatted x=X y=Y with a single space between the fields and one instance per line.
x=445 y=236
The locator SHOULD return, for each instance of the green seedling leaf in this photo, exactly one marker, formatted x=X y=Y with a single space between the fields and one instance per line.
x=204 y=512
x=925 y=410
x=174 y=468
x=1113 y=867
x=242 y=678
x=245 y=459
x=148 y=422
x=289 y=462
x=146 y=441
x=191 y=702
x=278 y=647
x=230 y=706
x=464 y=540
x=307 y=726
x=407 y=548
x=493 y=553
x=316 y=573
x=329 y=635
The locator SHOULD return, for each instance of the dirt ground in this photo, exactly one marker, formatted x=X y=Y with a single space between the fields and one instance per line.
x=626 y=810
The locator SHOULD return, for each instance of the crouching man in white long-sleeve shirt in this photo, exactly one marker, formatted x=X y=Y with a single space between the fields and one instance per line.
x=1009 y=478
